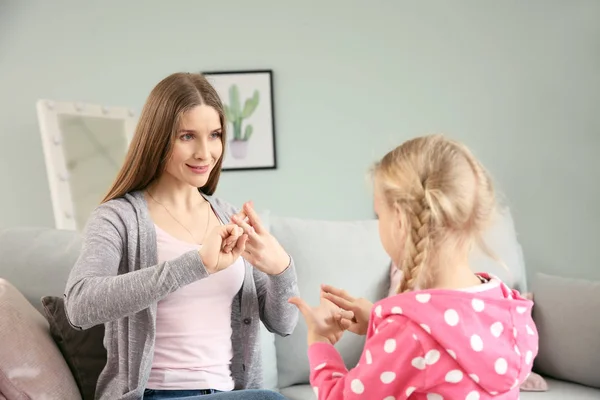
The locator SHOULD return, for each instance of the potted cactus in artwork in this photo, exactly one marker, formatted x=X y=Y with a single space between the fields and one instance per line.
x=235 y=114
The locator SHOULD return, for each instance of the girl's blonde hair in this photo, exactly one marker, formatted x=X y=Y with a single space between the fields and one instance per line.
x=156 y=130
x=445 y=200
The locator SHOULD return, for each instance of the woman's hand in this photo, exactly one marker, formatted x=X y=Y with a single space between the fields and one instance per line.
x=326 y=322
x=361 y=308
x=262 y=249
x=213 y=253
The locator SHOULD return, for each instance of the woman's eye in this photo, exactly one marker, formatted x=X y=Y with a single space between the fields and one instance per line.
x=187 y=136
x=217 y=134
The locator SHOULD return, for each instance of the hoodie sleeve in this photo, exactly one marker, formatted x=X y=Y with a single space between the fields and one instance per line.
x=392 y=365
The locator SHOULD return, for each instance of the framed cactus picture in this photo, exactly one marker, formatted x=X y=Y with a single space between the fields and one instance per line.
x=248 y=104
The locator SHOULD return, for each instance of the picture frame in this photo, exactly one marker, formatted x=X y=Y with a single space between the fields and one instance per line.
x=249 y=107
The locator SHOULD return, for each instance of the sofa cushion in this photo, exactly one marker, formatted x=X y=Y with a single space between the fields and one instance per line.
x=37 y=261
x=31 y=366
x=82 y=350
x=344 y=254
x=502 y=239
x=565 y=314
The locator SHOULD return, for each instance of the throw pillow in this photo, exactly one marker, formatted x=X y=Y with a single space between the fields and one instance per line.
x=31 y=366
x=565 y=315
x=83 y=351
x=534 y=383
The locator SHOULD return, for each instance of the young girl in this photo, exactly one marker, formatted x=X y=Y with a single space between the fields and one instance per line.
x=179 y=288
x=448 y=333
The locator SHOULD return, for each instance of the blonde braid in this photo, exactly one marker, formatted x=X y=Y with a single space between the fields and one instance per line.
x=417 y=247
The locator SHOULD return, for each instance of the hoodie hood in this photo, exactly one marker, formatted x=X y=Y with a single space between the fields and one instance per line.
x=488 y=331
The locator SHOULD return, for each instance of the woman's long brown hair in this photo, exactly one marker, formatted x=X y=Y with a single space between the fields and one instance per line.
x=152 y=142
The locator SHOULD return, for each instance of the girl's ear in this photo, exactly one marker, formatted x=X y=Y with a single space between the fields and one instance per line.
x=398 y=215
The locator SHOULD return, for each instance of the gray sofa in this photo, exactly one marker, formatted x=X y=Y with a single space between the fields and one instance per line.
x=344 y=253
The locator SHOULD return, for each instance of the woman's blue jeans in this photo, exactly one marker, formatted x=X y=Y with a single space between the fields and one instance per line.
x=251 y=394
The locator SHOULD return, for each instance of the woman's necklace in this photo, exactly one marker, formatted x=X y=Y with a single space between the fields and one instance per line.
x=182 y=225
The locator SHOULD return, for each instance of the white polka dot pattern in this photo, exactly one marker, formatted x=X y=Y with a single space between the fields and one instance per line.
x=476 y=343
x=460 y=340
x=529 y=330
x=388 y=377
x=451 y=317
x=390 y=346
x=423 y=297
x=478 y=305
x=357 y=386
x=320 y=366
x=454 y=376
x=497 y=328
x=474 y=395
x=396 y=310
x=501 y=366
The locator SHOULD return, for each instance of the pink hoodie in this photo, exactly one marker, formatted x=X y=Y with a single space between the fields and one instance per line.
x=436 y=344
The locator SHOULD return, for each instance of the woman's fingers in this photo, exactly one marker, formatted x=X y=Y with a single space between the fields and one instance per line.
x=249 y=230
x=239 y=247
x=253 y=217
x=230 y=235
x=337 y=292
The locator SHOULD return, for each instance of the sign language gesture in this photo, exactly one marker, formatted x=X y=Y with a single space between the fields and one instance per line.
x=361 y=308
x=326 y=322
x=262 y=249
x=223 y=245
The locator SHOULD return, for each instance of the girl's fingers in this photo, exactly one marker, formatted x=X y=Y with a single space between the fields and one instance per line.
x=346 y=314
x=338 y=292
x=339 y=301
x=302 y=306
x=345 y=323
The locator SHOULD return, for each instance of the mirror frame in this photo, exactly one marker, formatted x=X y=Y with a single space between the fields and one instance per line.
x=48 y=112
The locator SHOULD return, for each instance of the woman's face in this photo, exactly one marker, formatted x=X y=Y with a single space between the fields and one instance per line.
x=197 y=146
x=390 y=229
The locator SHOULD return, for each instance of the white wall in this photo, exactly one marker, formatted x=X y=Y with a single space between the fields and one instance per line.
x=518 y=81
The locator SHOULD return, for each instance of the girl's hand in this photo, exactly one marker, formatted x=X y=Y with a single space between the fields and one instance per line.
x=213 y=253
x=361 y=308
x=326 y=322
x=262 y=249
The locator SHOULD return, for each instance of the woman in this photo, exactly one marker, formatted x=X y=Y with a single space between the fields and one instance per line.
x=179 y=280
